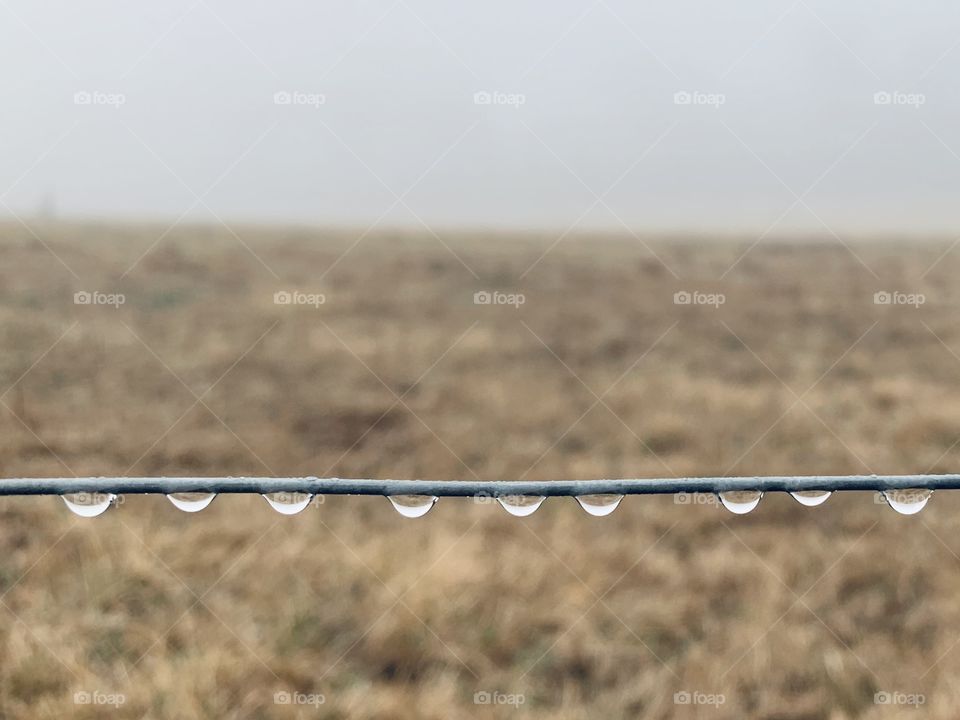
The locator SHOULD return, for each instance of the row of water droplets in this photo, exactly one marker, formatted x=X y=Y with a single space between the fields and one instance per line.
x=908 y=501
x=905 y=502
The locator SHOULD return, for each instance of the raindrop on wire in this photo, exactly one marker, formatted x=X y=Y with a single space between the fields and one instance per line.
x=191 y=501
x=599 y=505
x=288 y=503
x=811 y=498
x=88 y=505
x=908 y=501
x=521 y=505
x=412 y=506
x=740 y=502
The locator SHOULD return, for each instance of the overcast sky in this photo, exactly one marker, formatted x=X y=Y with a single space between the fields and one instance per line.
x=718 y=117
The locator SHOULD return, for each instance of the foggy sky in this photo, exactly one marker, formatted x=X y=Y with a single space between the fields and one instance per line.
x=176 y=109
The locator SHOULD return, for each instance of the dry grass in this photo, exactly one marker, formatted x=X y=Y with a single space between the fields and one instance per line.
x=788 y=612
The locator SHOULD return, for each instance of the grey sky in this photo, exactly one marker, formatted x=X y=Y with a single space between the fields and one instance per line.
x=597 y=80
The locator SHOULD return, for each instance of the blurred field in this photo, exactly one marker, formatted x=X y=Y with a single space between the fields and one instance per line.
x=789 y=612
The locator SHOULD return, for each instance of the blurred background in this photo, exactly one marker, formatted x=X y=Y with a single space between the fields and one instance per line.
x=411 y=240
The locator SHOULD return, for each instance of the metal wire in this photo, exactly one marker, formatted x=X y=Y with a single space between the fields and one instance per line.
x=482 y=488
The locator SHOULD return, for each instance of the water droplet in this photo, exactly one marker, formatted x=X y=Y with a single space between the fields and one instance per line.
x=740 y=501
x=412 y=506
x=908 y=501
x=288 y=503
x=599 y=505
x=811 y=498
x=521 y=505
x=87 y=504
x=191 y=501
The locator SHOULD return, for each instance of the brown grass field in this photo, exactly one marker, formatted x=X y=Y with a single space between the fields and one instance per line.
x=788 y=613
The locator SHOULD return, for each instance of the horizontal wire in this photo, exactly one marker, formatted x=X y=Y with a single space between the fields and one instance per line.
x=481 y=488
